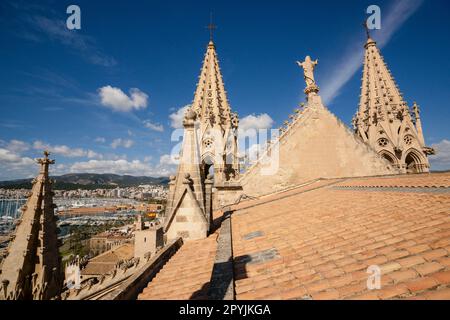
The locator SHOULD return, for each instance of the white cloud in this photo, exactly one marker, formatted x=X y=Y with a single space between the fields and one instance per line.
x=18 y=146
x=66 y=151
x=441 y=161
x=8 y=156
x=117 y=100
x=153 y=126
x=134 y=167
x=13 y=166
x=254 y=152
x=392 y=19
x=262 y=121
x=126 y=143
x=168 y=160
x=176 y=118
x=100 y=140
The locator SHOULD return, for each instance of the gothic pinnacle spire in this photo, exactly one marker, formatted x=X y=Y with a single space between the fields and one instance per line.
x=31 y=269
x=383 y=119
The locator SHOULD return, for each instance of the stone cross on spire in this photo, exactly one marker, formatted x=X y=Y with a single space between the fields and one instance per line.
x=45 y=162
x=211 y=26
x=366 y=27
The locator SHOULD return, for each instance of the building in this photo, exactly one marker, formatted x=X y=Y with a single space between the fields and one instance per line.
x=322 y=214
x=384 y=120
x=107 y=240
x=148 y=238
x=107 y=261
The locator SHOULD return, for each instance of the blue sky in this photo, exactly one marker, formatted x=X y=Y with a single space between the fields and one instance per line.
x=53 y=80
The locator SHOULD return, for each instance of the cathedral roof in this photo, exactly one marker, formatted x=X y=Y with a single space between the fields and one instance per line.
x=317 y=241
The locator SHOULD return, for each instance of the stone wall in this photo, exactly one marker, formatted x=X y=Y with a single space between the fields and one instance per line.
x=148 y=241
x=315 y=145
x=188 y=222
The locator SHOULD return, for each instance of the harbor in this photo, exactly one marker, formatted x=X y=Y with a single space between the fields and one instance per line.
x=79 y=212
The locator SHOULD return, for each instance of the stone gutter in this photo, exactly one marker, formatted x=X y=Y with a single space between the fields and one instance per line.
x=222 y=277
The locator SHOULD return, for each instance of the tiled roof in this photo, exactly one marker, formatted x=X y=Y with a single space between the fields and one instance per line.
x=420 y=180
x=106 y=261
x=317 y=241
x=187 y=273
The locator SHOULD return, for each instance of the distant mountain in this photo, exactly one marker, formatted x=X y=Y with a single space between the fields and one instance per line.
x=89 y=181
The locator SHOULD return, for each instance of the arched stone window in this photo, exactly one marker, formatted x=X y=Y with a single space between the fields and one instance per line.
x=414 y=161
x=389 y=157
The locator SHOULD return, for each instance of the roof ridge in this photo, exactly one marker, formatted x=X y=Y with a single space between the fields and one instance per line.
x=294 y=194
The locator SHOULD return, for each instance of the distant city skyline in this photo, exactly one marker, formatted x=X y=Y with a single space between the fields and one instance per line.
x=106 y=98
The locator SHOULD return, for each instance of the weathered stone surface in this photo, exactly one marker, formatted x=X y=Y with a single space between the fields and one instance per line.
x=316 y=145
x=32 y=268
x=384 y=120
x=221 y=286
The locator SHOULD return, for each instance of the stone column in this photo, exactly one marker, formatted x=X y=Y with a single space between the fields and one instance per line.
x=171 y=194
x=208 y=200
x=418 y=124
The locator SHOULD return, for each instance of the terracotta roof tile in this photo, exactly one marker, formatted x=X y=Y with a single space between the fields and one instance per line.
x=393 y=291
x=186 y=275
x=422 y=180
x=411 y=261
x=428 y=267
x=442 y=294
x=293 y=293
x=403 y=275
x=442 y=277
x=327 y=237
x=317 y=241
x=422 y=284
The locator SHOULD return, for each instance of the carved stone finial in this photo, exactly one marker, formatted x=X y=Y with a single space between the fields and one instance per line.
x=190 y=114
x=187 y=178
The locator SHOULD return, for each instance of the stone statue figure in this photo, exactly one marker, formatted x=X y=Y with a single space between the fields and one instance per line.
x=308 y=70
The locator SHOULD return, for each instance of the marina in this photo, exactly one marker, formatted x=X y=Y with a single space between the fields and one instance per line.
x=80 y=212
